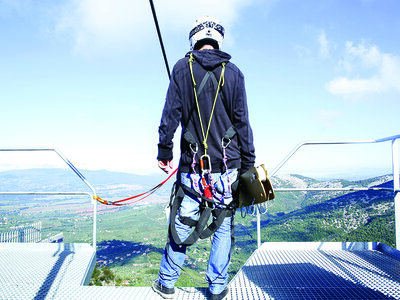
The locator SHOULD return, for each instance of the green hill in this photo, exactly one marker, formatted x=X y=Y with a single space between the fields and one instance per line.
x=354 y=216
x=131 y=239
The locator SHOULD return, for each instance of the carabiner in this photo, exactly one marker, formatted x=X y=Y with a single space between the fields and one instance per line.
x=225 y=142
x=196 y=148
x=205 y=164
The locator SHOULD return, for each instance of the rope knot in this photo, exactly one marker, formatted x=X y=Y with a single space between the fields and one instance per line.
x=223 y=73
x=205 y=146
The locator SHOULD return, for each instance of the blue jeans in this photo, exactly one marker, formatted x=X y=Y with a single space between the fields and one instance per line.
x=174 y=255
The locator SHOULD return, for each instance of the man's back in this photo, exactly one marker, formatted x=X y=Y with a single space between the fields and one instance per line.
x=230 y=109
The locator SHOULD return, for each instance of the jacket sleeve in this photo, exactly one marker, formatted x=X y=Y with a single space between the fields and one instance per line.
x=242 y=125
x=170 y=120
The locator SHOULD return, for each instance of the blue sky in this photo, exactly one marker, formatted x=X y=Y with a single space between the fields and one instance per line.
x=88 y=77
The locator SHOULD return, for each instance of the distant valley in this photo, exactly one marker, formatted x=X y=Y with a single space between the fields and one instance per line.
x=131 y=239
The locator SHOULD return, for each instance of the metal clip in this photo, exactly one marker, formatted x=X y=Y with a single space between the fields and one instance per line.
x=196 y=148
x=225 y=142
x=205 y=164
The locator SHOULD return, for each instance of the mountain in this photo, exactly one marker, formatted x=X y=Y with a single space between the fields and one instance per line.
x=290 y=201
x=332 y=216
x=122 y=185
x=132 y=238
x=106 y=183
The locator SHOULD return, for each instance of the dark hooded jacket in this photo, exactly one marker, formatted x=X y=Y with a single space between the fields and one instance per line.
x=230 y=109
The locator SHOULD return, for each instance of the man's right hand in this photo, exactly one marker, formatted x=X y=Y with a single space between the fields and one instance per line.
x=165 y=165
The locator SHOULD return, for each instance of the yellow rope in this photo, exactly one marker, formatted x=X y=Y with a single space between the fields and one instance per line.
x=191 y=59
x=221 y=78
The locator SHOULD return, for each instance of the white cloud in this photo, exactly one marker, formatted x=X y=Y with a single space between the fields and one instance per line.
x=356 y=87
x=227 y=11
x=103 y=24
x=324 y=45
x=369 y=55
x=382 y=72
x=109 y=24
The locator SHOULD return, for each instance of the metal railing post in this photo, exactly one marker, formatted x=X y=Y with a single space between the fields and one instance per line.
x=258 y=227
x=396 y=188
x=75 y=170
x=95 y=225
x=396 y=178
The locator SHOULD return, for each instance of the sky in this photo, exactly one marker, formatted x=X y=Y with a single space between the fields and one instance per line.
x=87 y=77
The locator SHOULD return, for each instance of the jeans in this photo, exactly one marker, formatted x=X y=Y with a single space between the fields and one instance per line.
x=174 y=255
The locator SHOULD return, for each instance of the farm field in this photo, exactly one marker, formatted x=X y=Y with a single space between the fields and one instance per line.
x=131 y=239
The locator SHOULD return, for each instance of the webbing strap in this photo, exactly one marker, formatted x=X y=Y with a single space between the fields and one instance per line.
x=188 y=136
x=230 y=133
x=219 y=216
x=213 y=78
x=201 y=223
x=188 y=221
x=216 y=223
x=201 y=229
x=204 y=81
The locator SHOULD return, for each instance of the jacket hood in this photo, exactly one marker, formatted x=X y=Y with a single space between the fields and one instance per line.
x=210 y=58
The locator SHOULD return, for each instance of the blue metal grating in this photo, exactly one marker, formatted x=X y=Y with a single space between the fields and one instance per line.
x=33 y=270
x=275 y=271
x=279 y=271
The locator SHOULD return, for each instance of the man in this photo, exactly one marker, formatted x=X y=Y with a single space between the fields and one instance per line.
x=207 y=96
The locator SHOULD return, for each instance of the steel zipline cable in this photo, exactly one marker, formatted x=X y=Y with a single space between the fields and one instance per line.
x=159 y=37
x=144 y=195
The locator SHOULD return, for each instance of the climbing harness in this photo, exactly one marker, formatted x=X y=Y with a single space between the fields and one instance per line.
x=208 y=205
x=138 y=197
x=205 y=163
x=201 y=229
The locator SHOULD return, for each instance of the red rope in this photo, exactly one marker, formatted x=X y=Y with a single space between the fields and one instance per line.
x=142 y=195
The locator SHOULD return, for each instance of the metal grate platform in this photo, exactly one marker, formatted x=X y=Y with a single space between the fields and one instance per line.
x=319 y=271
x=36 y=270
x=275 y=271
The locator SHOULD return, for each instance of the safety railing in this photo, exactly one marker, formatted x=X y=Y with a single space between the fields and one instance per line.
x=395 y=170
x=23 y=234
x=92 y=195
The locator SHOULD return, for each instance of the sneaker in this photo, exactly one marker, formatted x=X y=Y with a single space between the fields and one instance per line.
x=219 y=296
x=166 y=293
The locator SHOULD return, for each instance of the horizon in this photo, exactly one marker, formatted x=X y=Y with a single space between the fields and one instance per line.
x=362 y=174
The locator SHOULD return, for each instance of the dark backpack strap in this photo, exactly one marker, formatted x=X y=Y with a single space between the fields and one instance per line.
x=221 y=94
x=219 y=216
x=188 y=136
x=204 y=81
x=229 y=135
x=201 y=223
x=231 y=132
x=201 y=229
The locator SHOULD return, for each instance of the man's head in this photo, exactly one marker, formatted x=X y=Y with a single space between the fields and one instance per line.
x=206 y=31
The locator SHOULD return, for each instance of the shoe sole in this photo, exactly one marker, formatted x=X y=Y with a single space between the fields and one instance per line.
x=165 y=296
x=224 y=297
